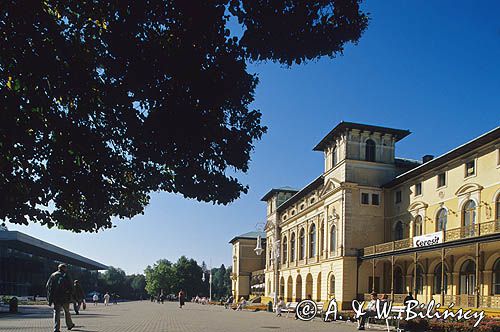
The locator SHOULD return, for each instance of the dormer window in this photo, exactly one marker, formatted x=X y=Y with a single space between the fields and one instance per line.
x=370 y=150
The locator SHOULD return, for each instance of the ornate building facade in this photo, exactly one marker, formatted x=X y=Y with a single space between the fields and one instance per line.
x=374 y=222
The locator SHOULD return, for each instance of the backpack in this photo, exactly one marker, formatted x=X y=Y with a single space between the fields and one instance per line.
x=60 y=291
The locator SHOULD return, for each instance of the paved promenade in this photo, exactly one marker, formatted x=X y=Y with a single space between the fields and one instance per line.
x=152 y=317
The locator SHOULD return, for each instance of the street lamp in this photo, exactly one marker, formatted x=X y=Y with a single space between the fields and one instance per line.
x=209 y=282
x=258 y=248
x=275 y=252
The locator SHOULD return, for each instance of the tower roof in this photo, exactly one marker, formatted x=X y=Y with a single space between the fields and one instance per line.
x=342 y=126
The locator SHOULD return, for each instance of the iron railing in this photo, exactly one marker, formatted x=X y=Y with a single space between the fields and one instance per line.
x=454 y=234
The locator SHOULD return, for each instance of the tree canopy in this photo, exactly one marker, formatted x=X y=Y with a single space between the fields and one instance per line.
x=115 y=281
x=186 y=274
x=103 y=102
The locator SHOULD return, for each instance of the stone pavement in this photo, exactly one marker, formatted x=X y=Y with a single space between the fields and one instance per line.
x=147 y=316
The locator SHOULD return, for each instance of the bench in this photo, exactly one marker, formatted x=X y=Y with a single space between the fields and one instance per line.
x=320 y=307
x=290 y=307
x=395 y=311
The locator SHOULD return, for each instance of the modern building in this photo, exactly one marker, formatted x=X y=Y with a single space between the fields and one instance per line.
x=26 y=263
x=248 y=277
x=375 y=222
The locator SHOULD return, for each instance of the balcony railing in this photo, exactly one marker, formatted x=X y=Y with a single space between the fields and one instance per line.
x=461 y=301
x=492 y=301
x=454 y=234
x=398 y=298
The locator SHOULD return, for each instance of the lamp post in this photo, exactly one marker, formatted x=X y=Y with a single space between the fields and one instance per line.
x=275 y=252
x=209 y=283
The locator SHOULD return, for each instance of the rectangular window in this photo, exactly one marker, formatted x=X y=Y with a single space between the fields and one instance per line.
x=441 y=179
x=418 y=189
x=375 y=199
x=365 y=198
x=398 y=196
x=470 y=168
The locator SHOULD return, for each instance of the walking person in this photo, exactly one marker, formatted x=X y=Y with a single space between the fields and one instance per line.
x=106 y=299
x=95 y=298
x=78 y=297
x=182 y=299
x=280 y=306
x=59 y=292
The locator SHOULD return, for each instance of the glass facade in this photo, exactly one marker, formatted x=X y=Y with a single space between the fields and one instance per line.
x=26 y=274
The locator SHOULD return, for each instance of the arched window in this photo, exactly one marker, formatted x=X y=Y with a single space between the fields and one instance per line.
x=468 y=277
x=292 y=248
x=302 y=244
x=270 y=256
x=285 y=250
x=498 y=207
x=496 y=277
x=370 y=150
x=417 y=230
x=469 y=217
x=437 y=279
x=312 y=241
x=333 y=240
x=332 y=285
x=398 y=231
x=441 y=219
x=321 y=238
x=469 y=213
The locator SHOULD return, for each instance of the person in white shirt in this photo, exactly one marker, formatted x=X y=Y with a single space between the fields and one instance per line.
x=279 y=306
x=106 y=299
x=371 y=310
x=95 y=298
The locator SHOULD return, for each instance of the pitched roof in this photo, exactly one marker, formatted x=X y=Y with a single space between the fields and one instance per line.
x=300 y=194
x=249 y=236
x=475 y=143
x=342 y=126
x=273 y=191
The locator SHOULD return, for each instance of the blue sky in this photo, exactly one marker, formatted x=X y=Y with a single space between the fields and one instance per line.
x=430 y=67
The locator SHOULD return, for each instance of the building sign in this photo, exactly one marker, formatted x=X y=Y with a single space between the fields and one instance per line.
x=428 y=240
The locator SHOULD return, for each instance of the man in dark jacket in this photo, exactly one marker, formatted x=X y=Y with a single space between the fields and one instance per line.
x=78 y=297
x=59 y=292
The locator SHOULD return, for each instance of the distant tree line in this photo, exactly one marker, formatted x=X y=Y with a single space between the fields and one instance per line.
x=113 y=280
x=187 y=275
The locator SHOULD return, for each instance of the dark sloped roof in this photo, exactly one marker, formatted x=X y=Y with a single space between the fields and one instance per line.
x=273 y=191
x=342 y=126
x=249 y=236
x=303 y=192
x=488 y=137
x=28 y=244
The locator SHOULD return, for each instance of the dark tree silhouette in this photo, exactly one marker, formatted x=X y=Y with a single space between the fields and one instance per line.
x=103 y=102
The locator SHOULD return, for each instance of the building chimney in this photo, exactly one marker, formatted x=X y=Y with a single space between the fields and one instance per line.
x=427 y=157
